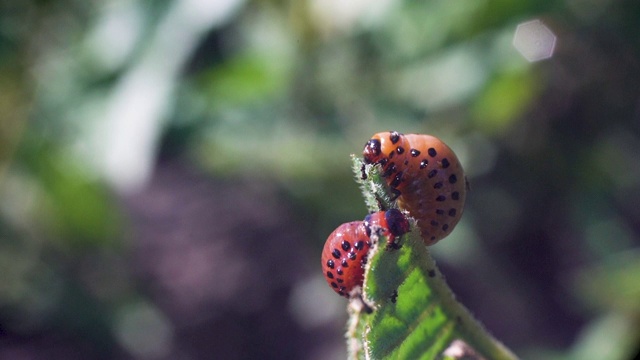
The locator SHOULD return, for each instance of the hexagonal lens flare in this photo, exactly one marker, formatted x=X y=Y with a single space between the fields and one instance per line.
x=534 y=40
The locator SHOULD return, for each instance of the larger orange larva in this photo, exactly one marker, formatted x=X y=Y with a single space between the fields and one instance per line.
x=427 y=177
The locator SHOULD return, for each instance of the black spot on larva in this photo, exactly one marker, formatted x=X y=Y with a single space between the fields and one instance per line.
x=383 y=162
x=439 y=211
x=394 y=137
x=340 y=281
x=330 y=264
x=329 y=274
x=345 y=245
x=344 y=263
x=445 y=227
x=424 y=163
x=395 y=194
x=414 y=153
x=339 y=271
x=343 y=289
x=453 y=178
x=359 y=245
x=433 y=238
x=341 y=293
x=432 y=173
x=406 y=162
x=336 y=253
x=391 y=169
x=333 y=284
x=438 y=185
x=432 y=152
x=391 y=154
x=441 y=198
x=396 y=180
x=400 y=150
x=434 y=223
x=364 y=260
x=352 y=255
x=445 y=163
x=431 y=273
x=455 y=195
x=452 y=212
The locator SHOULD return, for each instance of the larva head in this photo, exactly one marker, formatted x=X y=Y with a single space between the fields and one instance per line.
x=382 y=147
x=391 y=223
x=390 y=150
x=344 y=257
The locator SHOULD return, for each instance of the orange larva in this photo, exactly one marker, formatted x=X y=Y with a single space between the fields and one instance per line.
x=345 y=252
x=426 y=176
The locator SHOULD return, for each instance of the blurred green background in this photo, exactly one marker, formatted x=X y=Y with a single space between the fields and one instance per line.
x=169 y=170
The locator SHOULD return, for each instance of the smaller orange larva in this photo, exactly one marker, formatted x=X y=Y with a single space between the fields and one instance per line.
x=345 y=252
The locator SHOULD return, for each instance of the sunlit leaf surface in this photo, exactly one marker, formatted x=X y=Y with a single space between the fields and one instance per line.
x=414 y=313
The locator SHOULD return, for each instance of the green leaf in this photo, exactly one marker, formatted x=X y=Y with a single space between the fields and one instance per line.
x=506 y=97
x=414 y=313
x=374 y=188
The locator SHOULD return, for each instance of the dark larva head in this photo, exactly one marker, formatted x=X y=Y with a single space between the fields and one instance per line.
x=390 y=150
x=397 y=222
x=372 y=151
x=391 y=224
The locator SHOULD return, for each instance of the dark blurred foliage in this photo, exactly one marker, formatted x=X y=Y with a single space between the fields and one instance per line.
x=169 y=170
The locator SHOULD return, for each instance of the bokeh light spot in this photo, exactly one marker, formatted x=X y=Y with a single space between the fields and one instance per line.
x=534 y=40
x=144 y=331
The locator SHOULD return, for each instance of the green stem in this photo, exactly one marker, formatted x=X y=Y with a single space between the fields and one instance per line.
x=415 y=312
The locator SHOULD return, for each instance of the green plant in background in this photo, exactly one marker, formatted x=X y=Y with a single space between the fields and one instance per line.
x=282 y=89
x=414 y=314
